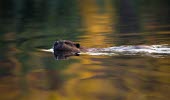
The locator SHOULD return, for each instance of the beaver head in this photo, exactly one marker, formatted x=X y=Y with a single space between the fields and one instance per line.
x=66 y=45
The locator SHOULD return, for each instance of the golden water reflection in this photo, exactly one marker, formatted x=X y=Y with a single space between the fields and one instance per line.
x=35 y=75
x=96 y=24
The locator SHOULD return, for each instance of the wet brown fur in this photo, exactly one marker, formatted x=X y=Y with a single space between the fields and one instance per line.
x=66 y=45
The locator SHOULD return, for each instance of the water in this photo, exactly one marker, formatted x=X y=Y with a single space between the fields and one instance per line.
x=27 y=73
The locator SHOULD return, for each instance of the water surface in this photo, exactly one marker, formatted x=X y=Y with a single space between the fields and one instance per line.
x=27 y=73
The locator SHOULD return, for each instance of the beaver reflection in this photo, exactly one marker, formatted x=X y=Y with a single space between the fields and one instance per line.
x=61 y=55
x=65 y=48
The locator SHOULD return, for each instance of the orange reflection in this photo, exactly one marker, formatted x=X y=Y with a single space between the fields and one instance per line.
x=96 y=24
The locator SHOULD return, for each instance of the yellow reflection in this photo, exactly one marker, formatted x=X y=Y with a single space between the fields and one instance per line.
x=96 y=24
x=12 y=67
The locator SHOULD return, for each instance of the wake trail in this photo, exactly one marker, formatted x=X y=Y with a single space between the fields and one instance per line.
x=147 y=50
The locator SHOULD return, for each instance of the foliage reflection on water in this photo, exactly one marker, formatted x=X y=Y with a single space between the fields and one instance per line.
x=26 y=73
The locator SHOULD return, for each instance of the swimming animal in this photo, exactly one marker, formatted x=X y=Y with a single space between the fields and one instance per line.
x=68 y=46
x=62 y=49
x=65 y=48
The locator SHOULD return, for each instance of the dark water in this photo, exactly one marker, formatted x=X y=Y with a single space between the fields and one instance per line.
x=29 y=74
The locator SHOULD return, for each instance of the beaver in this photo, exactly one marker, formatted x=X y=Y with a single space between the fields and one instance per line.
x=68 y=46
x=65 y=48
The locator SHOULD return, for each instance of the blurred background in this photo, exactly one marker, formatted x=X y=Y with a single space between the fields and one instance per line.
x=29 y=74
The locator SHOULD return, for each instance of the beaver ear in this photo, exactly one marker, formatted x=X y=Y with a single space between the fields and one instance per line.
x=77 y=45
